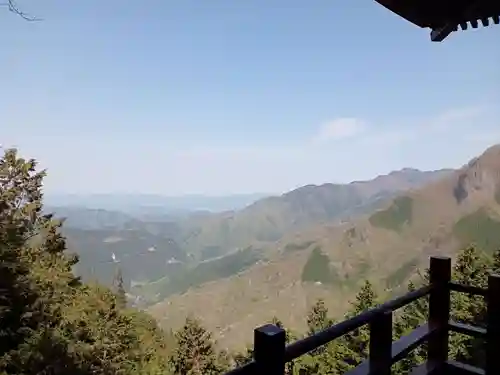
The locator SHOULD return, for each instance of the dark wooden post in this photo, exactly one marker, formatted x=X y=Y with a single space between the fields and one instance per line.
x=493 y=326
x=380 y=358
x=269 y=350
x=439 y=312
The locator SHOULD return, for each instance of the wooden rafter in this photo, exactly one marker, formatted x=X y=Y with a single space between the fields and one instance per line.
x=446 y=16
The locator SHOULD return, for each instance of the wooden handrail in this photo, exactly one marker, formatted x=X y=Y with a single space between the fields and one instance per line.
x=310 y=343
x=271 y=354
x=468 y=289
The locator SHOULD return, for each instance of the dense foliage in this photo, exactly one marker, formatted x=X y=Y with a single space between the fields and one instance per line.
x=317 y=268
x=53 y=323
x=479 y=228
x=396 y=216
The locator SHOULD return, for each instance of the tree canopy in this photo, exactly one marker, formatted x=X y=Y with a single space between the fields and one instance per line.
x=53 y=323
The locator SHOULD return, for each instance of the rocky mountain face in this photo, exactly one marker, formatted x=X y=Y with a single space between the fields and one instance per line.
x=331 y=259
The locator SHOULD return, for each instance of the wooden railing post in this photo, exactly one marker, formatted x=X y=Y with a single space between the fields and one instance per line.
x=269 y=350
x=380 y=357
x=439 y=312
x=493 y=326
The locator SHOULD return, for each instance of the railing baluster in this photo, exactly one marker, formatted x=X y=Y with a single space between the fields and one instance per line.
x=493 y=326
x=439 y=311
x=380 y=358
x=269 y=350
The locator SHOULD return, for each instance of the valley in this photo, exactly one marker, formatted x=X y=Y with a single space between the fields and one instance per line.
x=159 y=258
x=278 y=255
x=220 y=188
x=387 y=247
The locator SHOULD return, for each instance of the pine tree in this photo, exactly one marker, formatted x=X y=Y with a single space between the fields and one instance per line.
x=242 y=358
x=471 y=268
x=23 y=308
x=195 y=353
x=50 y=322
x=119 y=289
x=317 y=318
x=495 y=264
x=356 y=342
x=412 y=316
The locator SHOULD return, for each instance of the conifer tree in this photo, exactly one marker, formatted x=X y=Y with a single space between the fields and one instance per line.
x=356 y=342
x=20 y=306
x=242 y=358
x=471 y=268
x=412 y=316
x=51 y=323
x=495 y=264
x=119 y=289
x=317 y=318
x=195 y=352
x=34 y=264
x=345 y=353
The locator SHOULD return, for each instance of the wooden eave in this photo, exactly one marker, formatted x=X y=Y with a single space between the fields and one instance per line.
x=445 y=16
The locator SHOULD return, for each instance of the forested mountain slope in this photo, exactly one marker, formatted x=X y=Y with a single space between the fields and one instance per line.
x=386 y=246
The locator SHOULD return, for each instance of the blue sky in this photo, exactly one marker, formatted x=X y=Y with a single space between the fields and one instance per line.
x=224 y=96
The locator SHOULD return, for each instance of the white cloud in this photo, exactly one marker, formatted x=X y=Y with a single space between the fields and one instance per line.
x=464 y=122
x=452 y=118
x=365 y=149
x=340 y=128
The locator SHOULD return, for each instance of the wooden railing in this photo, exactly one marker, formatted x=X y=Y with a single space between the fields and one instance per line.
x=271 y=353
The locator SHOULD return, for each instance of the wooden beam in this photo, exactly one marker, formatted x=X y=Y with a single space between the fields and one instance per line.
x=438 y=35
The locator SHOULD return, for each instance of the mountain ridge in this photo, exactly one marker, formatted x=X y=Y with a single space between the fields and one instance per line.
x=385 y=246
x=181 y=242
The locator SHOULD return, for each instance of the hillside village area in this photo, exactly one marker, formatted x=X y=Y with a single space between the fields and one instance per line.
x=110 y=265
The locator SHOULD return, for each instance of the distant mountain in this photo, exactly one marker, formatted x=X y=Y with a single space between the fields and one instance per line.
x=269 y=219
x=150 y=204
x=179 y=251
x=331 y=259
x=90 y=218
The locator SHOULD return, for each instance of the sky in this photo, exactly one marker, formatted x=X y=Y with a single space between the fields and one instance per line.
x=222 y=97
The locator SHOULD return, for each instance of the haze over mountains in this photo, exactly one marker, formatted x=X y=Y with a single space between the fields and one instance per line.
x=277 y=255
x=149 y=204
x=147 y=245
x=386 y=246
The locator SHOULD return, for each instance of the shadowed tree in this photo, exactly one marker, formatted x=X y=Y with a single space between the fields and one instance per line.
x=356 y=342
x=195 y=353
x=20 y=197
x=471 y=268
x=119 y=289
x=317 y=318
x=496 y=262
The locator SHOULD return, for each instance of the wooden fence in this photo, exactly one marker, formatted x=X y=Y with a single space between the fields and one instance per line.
x=271 y=353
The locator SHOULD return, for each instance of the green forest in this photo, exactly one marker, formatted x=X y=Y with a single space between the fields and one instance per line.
x=53 y=323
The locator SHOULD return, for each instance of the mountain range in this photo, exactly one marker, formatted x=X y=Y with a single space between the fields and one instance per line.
x=276 y=255
x=386 y=244
x=183 y=250
x=153 y=204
